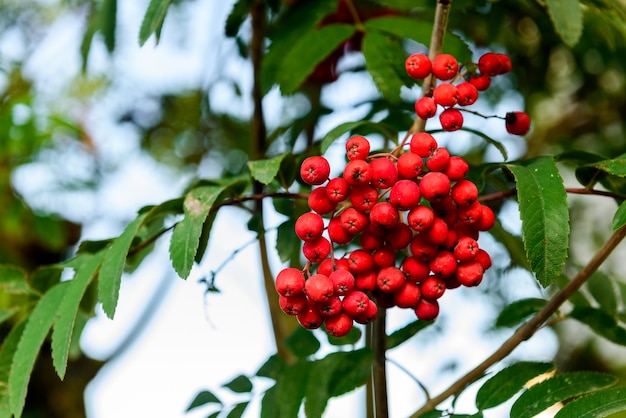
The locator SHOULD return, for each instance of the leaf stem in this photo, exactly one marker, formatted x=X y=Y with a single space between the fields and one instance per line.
x=529 y=328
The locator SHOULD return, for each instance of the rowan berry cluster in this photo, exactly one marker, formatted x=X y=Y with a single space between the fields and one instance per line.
x=459 y=86
x=409 y=227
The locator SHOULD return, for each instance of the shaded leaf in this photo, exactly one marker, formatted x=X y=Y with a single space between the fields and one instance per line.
x=307 y=52
x=287 y=242
x=384 y=60
x=353 y=371
x=269 y=409
x=604 y=292
x=68 y=309
x=13 y=280
x=557 y=389
x=302 y=343
x=401 y=335
x=203 y=398
x=237 y=16
x=507 y=382
x=290 y=389
x=273 y=368
x=238 y=410
x=37 y=327
x=7 y=351
x=619 y=219
x=5 y=314
x=601 y=323
x=108 y=17
x=113 y=266
x=567 y=18
x=597 y=404
x=44 y=277
x=265 y=171
x=517 y=311
x=240 y=384
x=351 y=338
x=153 y=20
x=545 y=216
x=513 y=244
x=389 y=132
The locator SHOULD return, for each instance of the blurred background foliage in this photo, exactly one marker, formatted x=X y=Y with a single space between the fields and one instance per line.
x=575 y=95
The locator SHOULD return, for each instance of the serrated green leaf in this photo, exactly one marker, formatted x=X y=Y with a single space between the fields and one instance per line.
x=517 y=311
x=597 y=404
x=302 y=343
x=186 y=234
x=567 y=18
x=384 y=60
x=385 y=130
x=202 y=398
x=307 y=52
x=238 y=410
x=153 y=20
x=619 y=219
x=601 y=323
x=13 y=280
x=110 y=277
x=265 y=171
x=557 y=389
x=419 y=31
x=353 y=371
x=507 y=382
x=287 y=240
x=401 y=335
x=237 y=16
x=68 y=309
x=7 y=351
x=614 y=167
x=545 y=216
x=37 y=327
x=290 y=389
x=604 y=291
x=240 y=384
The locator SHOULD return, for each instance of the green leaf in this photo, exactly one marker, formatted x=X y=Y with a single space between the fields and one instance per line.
x=353 y=371
x=403 y=334
x=601 y=323
x=273 y=368
x=517 y=311
x=39 y=323
x=7 y=351
x=597 y=404
x=238 y=410
x=513 y=244
x=287 y=240
x=567 y=18
x=545 y=216
x=13 y=280
x=44 y=277
x=290 y=389
x=108 y=18
x=384 y=60
x=269 y=409
x=113 y=266
x=419 y=31
x=614 y=167
x=604 y=291
x=68 y=309
x=351 y=338
x=385 y=130
x=202 y=398
x=507 y=382
x=497 y=144
x=557 y=389
x=153 y=20
x=307 y=52
x=619 y=219
x=302 y=343
x=237 y=16
x=186 y=235
x=6 y=314
x=265 y=171
x=240 y=384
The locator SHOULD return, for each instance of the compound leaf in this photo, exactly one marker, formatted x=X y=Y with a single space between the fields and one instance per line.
x=545 y=216
x=7 y=351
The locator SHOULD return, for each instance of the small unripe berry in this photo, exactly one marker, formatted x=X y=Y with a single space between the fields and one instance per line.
x=315 y=170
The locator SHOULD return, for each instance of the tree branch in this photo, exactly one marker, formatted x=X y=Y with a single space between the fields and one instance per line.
x=531 y=327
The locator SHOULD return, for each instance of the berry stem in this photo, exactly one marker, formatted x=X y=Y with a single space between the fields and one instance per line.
x=527 y=330
x=379 y=345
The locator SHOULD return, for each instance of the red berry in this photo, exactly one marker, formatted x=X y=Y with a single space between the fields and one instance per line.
x=464 y=192
x=290 y=282
x=467 y=93
x=363 y=198
x=360 y=261
x=329 y=265
x=418 y=66
x=353 y=221
x=319 y=202
x=292 y=305
x=317 y=250
x=484 y=259
x=370 y=241
x=369 y=315
x=443 y=265
x=425 y=107
x=437 y=233
x=409 y=165
x=470 y=214
x=339 y=325
x=355 y=303
x=433 y=288
x=407 y=296
x=330 y=307
x=390 y=279
x=366 y=281
x=445 y=67
x=420 y=218
x=357 y=148
x=457 y=168
x=517 y=123
x=319 y=288
x=466 y=249
x=470 y=274
x=399 y=236
x=434 y=186
x=481 y=82
x=383 y=173
x=451 y=119
x=490 y=64
x=343 y=282
x=357 y=173
x=423 y=144
x=427 y=310
x=404 y=195
x=505 y=63
x=383 y=216
x=310 y=318
x=446 y=94
x=414 y=270
x=438 y=160
x=315 y=170
x=385 y=256
x=337 y=233
x=309 y=226
x=337 y=189
x=486 y=220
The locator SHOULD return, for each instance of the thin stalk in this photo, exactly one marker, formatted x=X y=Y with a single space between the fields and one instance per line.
x=369 y=386
x=531 y=327
x=379 y=345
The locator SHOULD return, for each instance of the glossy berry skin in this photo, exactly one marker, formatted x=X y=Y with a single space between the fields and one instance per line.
x=292 y=305
x=409 y=165
x=423 y=144
x=357 y=173
x=383 y=173
x=383 y=215
x=309 y=226
x=457 y=168
x=445 y=67
x=482 y=82
x=467 y=93
x=404 y=195
x=357 y=148
x=343 y=282
x=363 y=198
x=337 y=233
x=418 y=66
x=517 y=123
x=290 y=282
x=464 y=193
x=487 y=219
x=360 y=261
x=318 y=201
x=355 y=303
x=310 y=318
x=337 y=189
x=427 y=310
x=330 y=307
x=317 y=250
x=446 y=94
x=408 y=296
x=390 y=279
x=319 y=288
x=353 y=221
x=435 y=186
x=339 y=325
x=369 y=315
x=466 y=249
x=470 y=274
x=438 y=160
x=425 y=107
x=433 y=288
x=451 y=119
x=315 y=170
x=420 y=218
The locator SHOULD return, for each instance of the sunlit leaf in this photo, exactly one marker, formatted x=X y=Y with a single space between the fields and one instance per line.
x=557 y=389
x=602 y=403
x=507 y=382
x=516 y=312
x=545 y=216
x=567 y=18
x=265 y=171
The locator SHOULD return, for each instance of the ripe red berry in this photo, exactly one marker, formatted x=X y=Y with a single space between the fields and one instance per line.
x=383 y=216
x=355 y=303
x=443 y=265
x=360 y=261
x=330 y=307
x=517 y=123
x=505 y=63
x=423 y=144
x=383 y=173
x=292 y=305
x=437 y=233
x=329 y=265
x=466 y=249
x=366 y=281
x=446 y=94
x=434 y=186
x=290 y=282
x=438 y=160
x=445 y=67
x=420 y=218
x=486 y=220
x=319 y=202
x=309 y=226
x=369 y=315
x=343 y=282
x=481 y=82
x=425 y=107
x=357 y=148
x=467 y=93
x=464 y=192
x=469 y=214
x=433 y=288
x=337 y=233
x=407 y=296
x=470 y=274
x=451 y=119
x=484 y=259
x=339 y=325
x=385 y=256
x=457 y=168
x=418 y=66
x=317 y=250
x=363 y=198
x=390 y=279
x=310 y=318
x=357 y=173
x=337 y=189
x=415 y=271
x=490 y=64
x=427 y=310
x=399 y=236
x=353 y=221
x=315 y=170
x=370 y=241
x=423 y=250
x=319 y=288
x=404 y=195
x=409 y=165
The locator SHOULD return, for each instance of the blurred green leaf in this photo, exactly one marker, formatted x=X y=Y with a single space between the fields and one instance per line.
x=240 y=384
x=108 y=18
x=13 y=280
x=507 y=382
x=269 y=409
x=545 y=216
x=153 y=20
x=516 y=312
x=291 y=387
x=273 y=368
x=265 y=171
x=7 y=352
x=302 y=343
x=604 y=292
x=403 y=334
x=601 y=323
x=287 y=242
x=44 y=277
x=202 y=398
x=238 y=410
x=567 y=18
x=558 y=389
x=384 y=59
x=351 y=338
x=237 y=16
x=389 y=132
x=601 y=403
x=619 y=219
x=352 y=372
